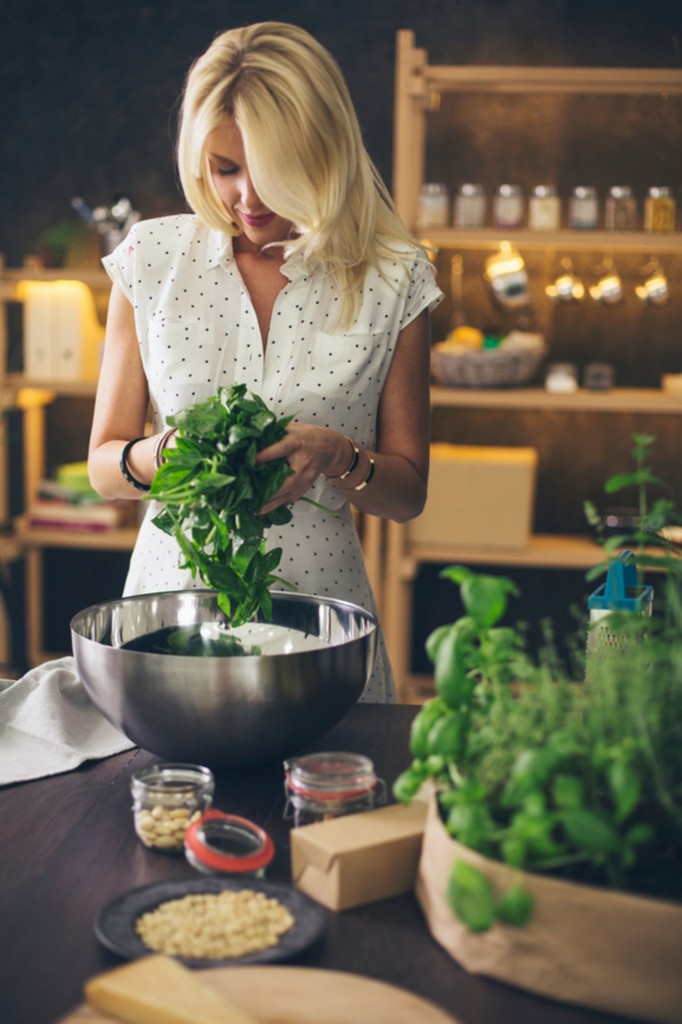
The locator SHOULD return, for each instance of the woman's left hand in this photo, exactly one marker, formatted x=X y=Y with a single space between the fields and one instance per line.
x=309 y=451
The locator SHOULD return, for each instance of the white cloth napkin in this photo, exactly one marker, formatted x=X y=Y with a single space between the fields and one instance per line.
x=48 y=724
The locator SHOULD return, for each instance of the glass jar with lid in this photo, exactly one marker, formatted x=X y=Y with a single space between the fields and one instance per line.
x=508 y=207
x=470 y=205
x=583 y=208
x=659 y=209
x=433 y=205
x=225 y=844
x=330 y=784
x=167 y=797
x=620 y=213
x=544 y=209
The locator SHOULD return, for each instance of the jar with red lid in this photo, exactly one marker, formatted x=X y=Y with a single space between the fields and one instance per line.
x=225 y=844
x=330 y=784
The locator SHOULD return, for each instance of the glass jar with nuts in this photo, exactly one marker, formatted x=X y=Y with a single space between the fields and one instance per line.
x=166 y=799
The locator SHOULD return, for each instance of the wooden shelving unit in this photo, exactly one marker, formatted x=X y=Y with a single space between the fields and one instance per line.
x=418 y=89
x=32 y=396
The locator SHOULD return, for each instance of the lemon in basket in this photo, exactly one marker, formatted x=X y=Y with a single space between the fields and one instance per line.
x=463 y=337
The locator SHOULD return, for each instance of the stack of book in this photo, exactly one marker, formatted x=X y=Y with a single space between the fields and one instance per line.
x=67 y=501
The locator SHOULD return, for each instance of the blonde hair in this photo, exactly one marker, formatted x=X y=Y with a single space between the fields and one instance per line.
x=303 y=147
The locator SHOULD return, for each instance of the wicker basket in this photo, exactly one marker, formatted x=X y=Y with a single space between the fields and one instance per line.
x=486 y=368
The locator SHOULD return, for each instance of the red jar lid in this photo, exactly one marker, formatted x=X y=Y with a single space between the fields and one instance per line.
x=227 y=843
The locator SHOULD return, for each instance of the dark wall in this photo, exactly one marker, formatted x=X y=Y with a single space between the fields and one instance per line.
x=89 y=89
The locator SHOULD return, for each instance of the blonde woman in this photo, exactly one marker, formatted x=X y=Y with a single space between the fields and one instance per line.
x=294 y=276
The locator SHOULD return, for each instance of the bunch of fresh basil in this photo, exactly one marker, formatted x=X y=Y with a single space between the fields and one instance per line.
x=212 y=491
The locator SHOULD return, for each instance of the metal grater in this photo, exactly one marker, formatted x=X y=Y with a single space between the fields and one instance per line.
x=621 y=592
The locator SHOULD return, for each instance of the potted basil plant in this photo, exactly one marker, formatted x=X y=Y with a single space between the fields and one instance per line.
x=552 y=852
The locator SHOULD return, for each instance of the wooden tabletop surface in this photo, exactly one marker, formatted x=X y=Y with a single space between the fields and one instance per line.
x=67 y=847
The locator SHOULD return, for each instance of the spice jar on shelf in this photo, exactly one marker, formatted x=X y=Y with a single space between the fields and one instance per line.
x=583 y=208
x=470 y=204
x=508 y=207
x=544 y=209
x=433 y=205
x=330 y=784
x=659 y=209
x=620 y=213
x=167 y=797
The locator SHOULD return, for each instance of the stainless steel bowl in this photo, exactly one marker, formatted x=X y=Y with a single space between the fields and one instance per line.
x=223 y=711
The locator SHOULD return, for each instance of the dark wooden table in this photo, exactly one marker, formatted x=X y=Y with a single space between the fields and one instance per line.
x=67 y=847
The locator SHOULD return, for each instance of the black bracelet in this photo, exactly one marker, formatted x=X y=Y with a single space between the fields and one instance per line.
x=124 y=465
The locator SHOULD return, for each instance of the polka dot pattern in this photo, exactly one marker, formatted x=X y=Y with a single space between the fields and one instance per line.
x=197 y=330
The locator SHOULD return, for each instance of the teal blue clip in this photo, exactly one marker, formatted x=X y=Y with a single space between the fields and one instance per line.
x=622 y=591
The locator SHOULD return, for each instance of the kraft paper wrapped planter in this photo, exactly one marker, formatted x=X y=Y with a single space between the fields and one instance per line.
x=595 y=947
x=478 y=496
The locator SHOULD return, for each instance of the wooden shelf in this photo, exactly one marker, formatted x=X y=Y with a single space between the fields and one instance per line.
x=122 y=539
x=504 y=78
x=72 y=389
x=94 y=277
x=553 y=551
x=604 y=242
x=616 y=400
x=418 y=88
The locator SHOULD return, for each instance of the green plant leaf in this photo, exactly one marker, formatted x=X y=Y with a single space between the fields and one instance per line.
x=471 y=897
x=568 y=792
x=625 y=787
x=446 y=736
x=409 y=782
x=589 y=831
x=516 y=906
x=421 y=726
x=485 y=597
x=453 y=683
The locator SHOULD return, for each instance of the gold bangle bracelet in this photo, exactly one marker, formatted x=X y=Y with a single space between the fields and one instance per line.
x=370 y=474
x=355 y=458
x=161 y=443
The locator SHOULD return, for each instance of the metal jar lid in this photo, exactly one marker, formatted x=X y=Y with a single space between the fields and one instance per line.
x=227 y=844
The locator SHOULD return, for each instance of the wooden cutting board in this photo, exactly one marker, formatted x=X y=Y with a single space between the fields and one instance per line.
x=304 y=995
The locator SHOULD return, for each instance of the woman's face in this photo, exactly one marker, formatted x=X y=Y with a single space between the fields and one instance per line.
x=230 y=175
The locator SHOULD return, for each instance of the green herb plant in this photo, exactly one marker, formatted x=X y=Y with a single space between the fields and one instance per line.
x=534 y=767
x=212 y=491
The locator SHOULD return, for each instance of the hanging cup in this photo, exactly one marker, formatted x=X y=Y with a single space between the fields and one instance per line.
x=506 y=276
x=608 y=290
x=566 y=286
x=654 y=290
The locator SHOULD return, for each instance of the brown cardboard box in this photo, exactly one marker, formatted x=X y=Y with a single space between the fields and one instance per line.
x=478 y=496
x=359 y=858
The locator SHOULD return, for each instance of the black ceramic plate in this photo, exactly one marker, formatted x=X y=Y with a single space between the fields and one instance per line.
x=115 y=926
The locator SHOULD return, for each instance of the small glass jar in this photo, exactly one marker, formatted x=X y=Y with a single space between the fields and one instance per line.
x=329 y=785
x=433 y=205
x=544 y=209
x=659 y=209
x=166 y=799
x=224 y=844
x=620 y=213
x=508 y=207
x=470 y=204
x=583 y=208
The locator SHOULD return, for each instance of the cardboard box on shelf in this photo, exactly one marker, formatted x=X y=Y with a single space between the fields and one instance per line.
x=359 y=858
x=478 y=496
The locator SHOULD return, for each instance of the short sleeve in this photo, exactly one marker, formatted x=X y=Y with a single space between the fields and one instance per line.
x=120 y=264
x=422 y=293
